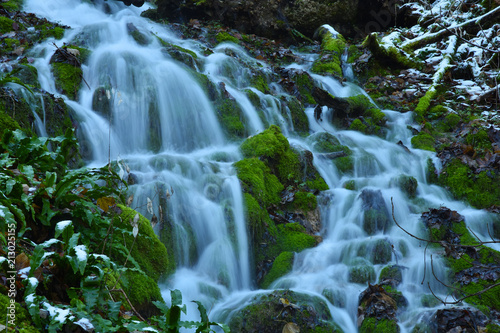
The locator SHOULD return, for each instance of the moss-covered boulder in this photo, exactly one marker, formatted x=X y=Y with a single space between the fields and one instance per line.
x=278 y=181
x=329 y=147
x=407 y=185
x=376 y=215
x=66 y=66
x=309 y=313
x=147 y=253
x=281 y=266
x=333 y=46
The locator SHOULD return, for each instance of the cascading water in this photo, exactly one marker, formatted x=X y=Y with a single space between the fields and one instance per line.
x=163 y=127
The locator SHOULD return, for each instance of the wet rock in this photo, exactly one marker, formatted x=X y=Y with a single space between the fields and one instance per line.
x=268 y=313
x=377 y=311
x=376 y=216
x=391 y=275
x=459 y=320
x=440 y=222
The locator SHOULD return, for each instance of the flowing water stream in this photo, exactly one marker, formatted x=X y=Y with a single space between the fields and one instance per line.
x=194 y=162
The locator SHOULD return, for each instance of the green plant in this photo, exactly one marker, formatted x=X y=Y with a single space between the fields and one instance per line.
x=171 y=322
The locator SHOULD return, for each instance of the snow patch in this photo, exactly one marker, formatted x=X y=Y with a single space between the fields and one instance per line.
x=81 y=252
x=24 y=272
x=60 y=226
x=85 y=324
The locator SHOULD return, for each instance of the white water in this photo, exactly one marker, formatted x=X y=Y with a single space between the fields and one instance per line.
x=195 y=160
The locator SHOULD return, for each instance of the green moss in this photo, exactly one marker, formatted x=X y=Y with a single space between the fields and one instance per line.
x=388 y=55
x=344 y=164
x=12 y=5
x=437 y=111
x=424 y=103
x=330 y=60
x=480 y=190
x=305 y=201
x=357 y=125
x=68 y=78
x=22 y=318
x=362 y=274
x=156 y=263
x=230 y=117
x=451 y=121
x=260 y=83
x=141 y=290
x=48 y=30
x=423 y=141
x=299 y=118
x=6 y=24
x=381 y=252
x=317 y=184
x=292 y=238
x=373 y=325
x=257 y=218
x=350 y=185
x=272 y=147
x=408 y=185
x=259 y=315
x=305 y=86
x=479 y=140
x=226 y=37
x=391 y=273
x=7 y=123
x=282 y=265
x=258 y=180
x=268 y=144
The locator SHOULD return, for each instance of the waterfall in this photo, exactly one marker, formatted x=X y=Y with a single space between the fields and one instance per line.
x=162 y=125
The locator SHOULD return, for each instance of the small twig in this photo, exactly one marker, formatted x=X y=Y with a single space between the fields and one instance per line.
x=400 y=227
x=425 y=265
x=458 y=289
x=129 y=303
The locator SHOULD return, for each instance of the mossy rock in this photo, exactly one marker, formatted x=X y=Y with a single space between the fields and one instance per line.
x=408 y=185
x=451 y=121
x=148 y=252
x=304 y=201
x=258 y=180
x=273 y=147
x=480 y=190
x=224 y=36
x=373 y=325
x=7 y=123
x=375 y=220
x=231 y=118
x=142 y=290
x=381 y=252
x=281 y=266
x=292 y=237
x=309 y=313
x=297 y=111
x=305 y=86
x=68 y=79
x=391 y=273
x=332 y=48
x=22 y=319
x=362 y=274
x=423 y=141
